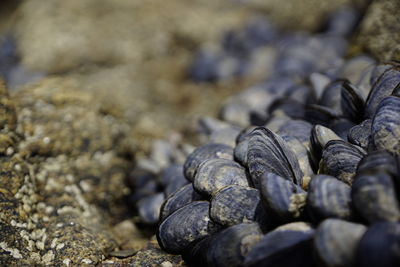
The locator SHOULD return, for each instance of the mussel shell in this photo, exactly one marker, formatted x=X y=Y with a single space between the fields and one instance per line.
x=396 y=91
x=200 y=154
x=354 y=68
x=359 y=135
x=208 y=125
x=185 y=225
x=236 y=204
x=380 y=160
x=320 y=136
x=282 y=197
x=230 y=246
x=379 y=70
x=242 y=143
x=317 y=114
x=302 y=154
x=335 y=242
x=149 y=208
x=383 y=87
x=282 y=247
x=269 y=153
x=299 y=129
x=289 y=107
x=385 y=131
x=341 y=127
x=195 y=254
x=374 y=197
x=301 y=93
x=178 y=199
x=225 y=136
x=340 y=159
x=379 y=246
x=331 y=97
x=214 y=174
x=172 y=178
x=352 y=102
x=328 y=197
x=256 y=98
x=319 y=82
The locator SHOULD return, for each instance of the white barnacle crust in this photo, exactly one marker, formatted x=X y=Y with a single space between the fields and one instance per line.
x=13 y=251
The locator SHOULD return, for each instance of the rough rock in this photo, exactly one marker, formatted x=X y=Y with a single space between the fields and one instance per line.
x=302 y=15
x=151 y=256
x=380 y=30
x=64 y=157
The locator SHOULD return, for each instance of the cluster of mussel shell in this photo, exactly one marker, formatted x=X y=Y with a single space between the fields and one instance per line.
x=301 y=170
x=296 y=191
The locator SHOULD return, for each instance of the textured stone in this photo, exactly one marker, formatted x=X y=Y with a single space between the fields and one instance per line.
x=380 y=30
x=151 y=256
x=62 y=176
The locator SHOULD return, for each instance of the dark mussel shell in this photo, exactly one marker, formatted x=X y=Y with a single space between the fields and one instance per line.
x=284 y=247
x=301 y=150
x=341 y=127
x=142 y=184
x=379 y=70
x=383 y=87
x=149 y=208
x=316 y=114
x=288 y=107
x=218 y=131
x=195 y=254
x=379 y=246
x=320 y=136
x=236 y=204
x=296 y=134
x=178 y=199
x=208 y=125
x=214 y=174
x=275 y=122
x=230 y=246
x=185 y=225
x=200 y=154
x=328 y=197
x=340 y=159
x=335 y=242
x=299 y=129
x=360 y=134
x=269 y=153
x=374 y=197
x=385 y=131
x=380 y=160
x=352 y=102
x=172 y=178
x=225 y=136
x=301 y=93
x=282 y=197
x=242 y=144
x=355 y=68
x=331 y=97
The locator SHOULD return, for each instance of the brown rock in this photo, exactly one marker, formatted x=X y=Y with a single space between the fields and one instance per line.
x=62 y=176
x=380 y=30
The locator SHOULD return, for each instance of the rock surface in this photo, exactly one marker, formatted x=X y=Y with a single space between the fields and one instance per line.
x=380 y=30
x=63 y=166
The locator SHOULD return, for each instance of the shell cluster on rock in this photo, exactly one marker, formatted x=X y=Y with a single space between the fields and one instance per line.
x=306 y=171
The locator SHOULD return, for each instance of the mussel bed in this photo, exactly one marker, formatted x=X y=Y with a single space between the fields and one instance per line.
x=302 y=169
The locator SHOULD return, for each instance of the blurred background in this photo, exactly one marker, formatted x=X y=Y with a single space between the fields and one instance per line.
x=135 y=54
